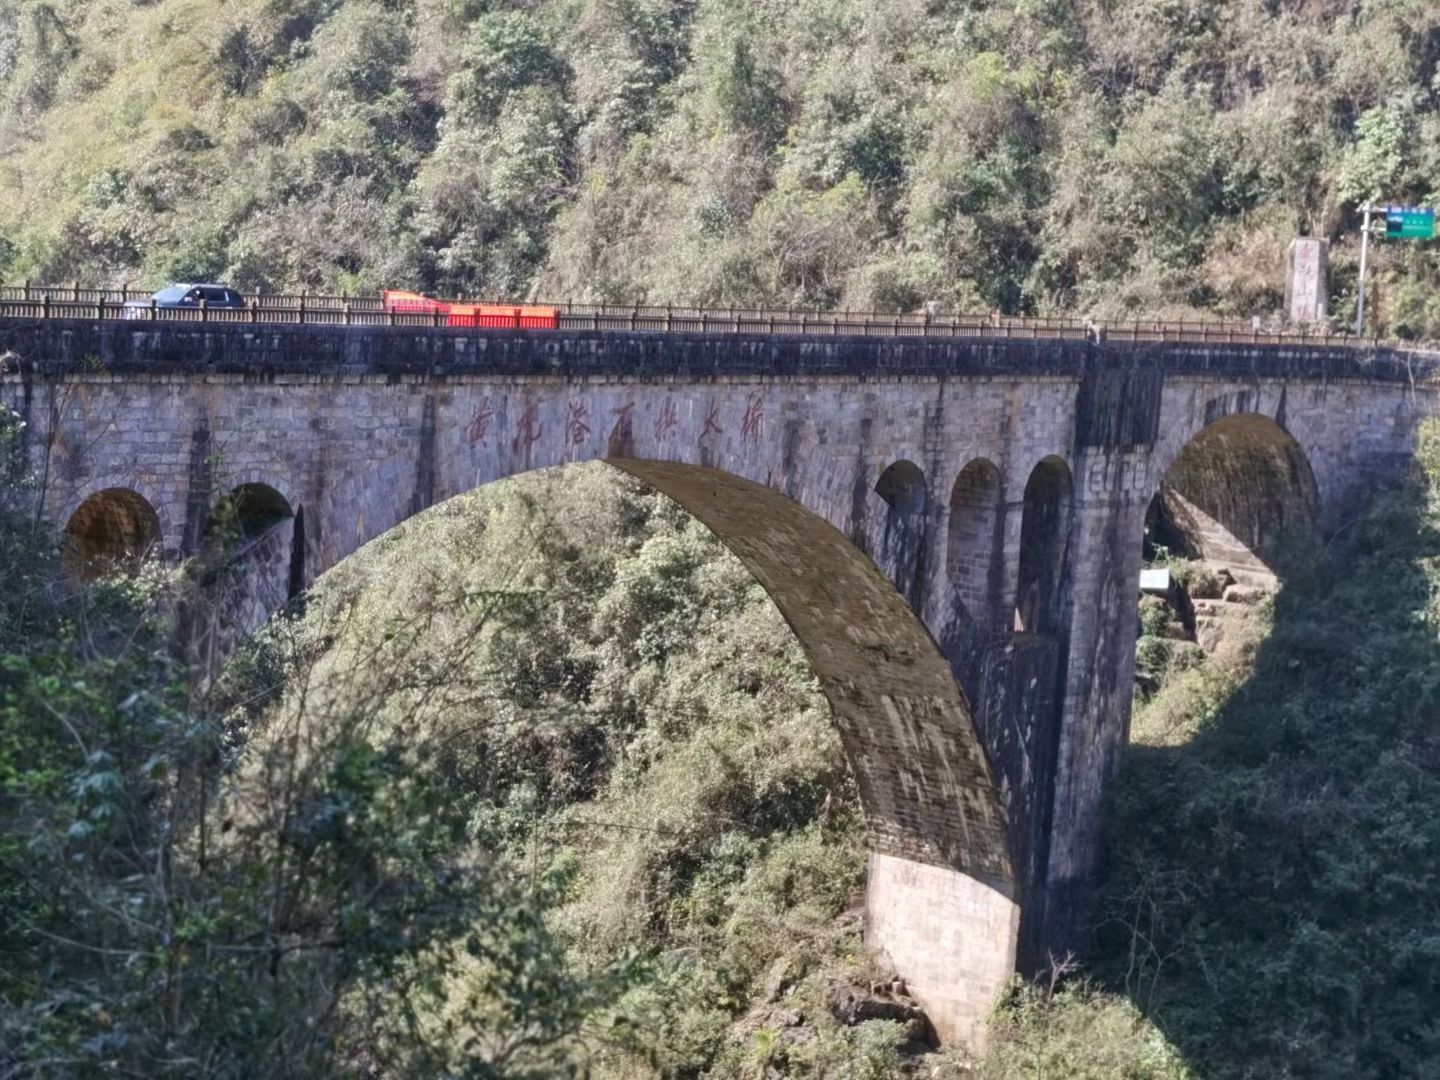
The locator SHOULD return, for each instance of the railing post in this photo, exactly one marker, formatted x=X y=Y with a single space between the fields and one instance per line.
x=347 y=312
x=392 y=316
x=668 y=317
x=45 y=306
x=302 y=305
x=254 y=307
x=100 y=307
x=27 y=290
x=75 y=291
x=154 y=310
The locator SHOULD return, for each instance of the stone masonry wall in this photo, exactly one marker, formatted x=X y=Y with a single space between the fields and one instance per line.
x=778 y=444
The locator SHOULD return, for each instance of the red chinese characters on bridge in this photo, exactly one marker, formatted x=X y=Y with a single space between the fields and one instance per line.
x=577 y=423
x=527 y=430
x=666 y=421
x=752 y=420
x=479 y=424
x=712 y=420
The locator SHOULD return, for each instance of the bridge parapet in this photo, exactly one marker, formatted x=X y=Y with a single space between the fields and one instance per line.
x=74 y=302
x=58 y=345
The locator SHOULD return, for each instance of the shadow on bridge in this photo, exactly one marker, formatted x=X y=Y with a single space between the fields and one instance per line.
x=1271 y=875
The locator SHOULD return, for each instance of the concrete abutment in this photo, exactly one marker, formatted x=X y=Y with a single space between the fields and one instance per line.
x=951 y=937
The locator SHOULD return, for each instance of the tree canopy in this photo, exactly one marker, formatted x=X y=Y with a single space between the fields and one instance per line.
x=1027 y=156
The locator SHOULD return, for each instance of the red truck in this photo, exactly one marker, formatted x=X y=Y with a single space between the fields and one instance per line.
x=519 y=316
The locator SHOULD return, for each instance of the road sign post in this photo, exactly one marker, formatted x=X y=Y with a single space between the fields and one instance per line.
x=1364 y=251
x=1401 y=223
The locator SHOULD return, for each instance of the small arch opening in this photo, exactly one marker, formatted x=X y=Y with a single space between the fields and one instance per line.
x=902 y=485
x=975 y=536
x=1240 y=497
x=1044 y=549
x=112 y=531
x=247 y=512
x=903 y=544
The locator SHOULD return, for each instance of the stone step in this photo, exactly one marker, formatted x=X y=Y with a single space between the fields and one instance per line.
x=1249 y=576
x=1246 y=594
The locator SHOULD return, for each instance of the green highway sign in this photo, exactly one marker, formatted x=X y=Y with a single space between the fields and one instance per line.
x=1409 y=222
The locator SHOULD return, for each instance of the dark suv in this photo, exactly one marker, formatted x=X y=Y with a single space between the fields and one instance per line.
x=185 y=296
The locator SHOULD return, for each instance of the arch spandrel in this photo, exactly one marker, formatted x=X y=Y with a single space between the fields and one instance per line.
x=479 y=430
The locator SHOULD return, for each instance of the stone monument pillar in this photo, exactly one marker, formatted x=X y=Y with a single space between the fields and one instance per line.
x=1305 y=284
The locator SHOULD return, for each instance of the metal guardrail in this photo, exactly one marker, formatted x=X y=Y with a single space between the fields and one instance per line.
x=74 y=302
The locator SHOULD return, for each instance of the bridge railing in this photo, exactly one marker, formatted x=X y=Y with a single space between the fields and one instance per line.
x=27 y=301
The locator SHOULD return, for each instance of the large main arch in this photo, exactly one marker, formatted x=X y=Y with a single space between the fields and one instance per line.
x=942 y=904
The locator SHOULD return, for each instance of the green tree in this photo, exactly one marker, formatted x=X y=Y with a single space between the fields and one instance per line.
x=195 y=888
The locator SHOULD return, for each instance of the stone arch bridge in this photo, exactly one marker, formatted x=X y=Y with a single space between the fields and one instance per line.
x=952 y=527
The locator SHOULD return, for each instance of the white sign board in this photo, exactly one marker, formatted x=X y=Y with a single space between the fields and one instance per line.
x=1155 y=581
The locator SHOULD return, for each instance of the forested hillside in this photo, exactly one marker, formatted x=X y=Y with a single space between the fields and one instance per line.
x=1105 y=156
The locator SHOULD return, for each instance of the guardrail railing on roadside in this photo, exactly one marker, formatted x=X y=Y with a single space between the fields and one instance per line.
x=74 y=302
